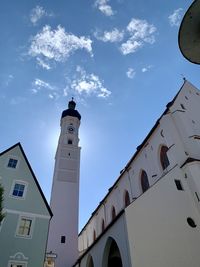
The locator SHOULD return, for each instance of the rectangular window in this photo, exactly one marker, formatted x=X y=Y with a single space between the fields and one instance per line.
x=17 y=265
x=18 y=190
x=24 y=228
x=62 y=239
x=179 y=185
x=12 y=163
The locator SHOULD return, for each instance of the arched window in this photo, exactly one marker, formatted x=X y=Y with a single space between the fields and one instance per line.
x=90 y=262
x=144 y=181
x=163 y=157
x=94 y=235
x=112 y=255
x=102 y=225
x=113 y=213
x=126 y=199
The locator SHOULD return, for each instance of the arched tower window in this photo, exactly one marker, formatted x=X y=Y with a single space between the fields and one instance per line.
x=113 y=213
x=144 y=181
x=163 y=157
x=126 y=199
x=102 y=225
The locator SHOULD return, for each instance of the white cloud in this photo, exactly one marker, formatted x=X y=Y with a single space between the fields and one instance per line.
x=140 y=32
x=38 y=84
x=147 y=68
x=8 y=79
x=175 y=17
x=57 y=45
x=89 y=84
x=110 y=36
x=130 y=73
x=53 y=95
x=43 y=64
x=37 y=13
x=103 y=6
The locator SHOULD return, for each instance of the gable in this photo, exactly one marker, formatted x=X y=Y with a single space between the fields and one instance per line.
x=34 y=200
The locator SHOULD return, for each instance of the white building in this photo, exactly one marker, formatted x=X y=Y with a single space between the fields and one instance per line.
x=150 y=217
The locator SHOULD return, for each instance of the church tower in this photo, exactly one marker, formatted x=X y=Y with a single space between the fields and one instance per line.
x=63 y=231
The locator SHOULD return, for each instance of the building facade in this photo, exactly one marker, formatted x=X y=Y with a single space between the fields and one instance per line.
x=151 y=215
x=24 y=230
x=63 y=232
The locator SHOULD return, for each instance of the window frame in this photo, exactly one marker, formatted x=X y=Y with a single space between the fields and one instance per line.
x=13 y=262
x=21 y=182
x=14 y=158
x=21 y=217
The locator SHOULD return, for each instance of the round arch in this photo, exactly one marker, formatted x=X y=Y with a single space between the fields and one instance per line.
x=112 y=255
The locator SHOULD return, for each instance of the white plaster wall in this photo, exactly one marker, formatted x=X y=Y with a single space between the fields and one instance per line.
x=119 y=234
x=174 y=131
x=158 y=232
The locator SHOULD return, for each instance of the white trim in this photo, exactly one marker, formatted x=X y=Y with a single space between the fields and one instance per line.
x=17 y=262
x=28 y=214
x=22 y=182
x=12 y=157
x=1 y=224
x=19 y=256
x=32 y=219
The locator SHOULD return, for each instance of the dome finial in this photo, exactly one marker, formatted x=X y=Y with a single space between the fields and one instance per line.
x=71 y=104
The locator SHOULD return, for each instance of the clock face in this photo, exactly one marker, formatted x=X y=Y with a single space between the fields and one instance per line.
x=70 y=129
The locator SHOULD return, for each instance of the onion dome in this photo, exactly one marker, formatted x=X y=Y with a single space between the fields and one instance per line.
x=71 y=111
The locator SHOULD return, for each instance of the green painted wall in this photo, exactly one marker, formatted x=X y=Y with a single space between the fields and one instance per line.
x=33 y=205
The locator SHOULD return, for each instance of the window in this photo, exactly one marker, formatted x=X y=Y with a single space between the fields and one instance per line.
x=144 y=181
x=17 y=265
x=94 y=235
x=63 y=239
x=24 y=228
x=178 y=185
x=69 y=142
x=163 y=157
x=126 y=199
x=113 y=213
x=12 y=163
x=102 y=225
x=182 y=106
x=18 y=190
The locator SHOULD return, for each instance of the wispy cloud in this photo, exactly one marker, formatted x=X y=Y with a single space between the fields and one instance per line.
x=43 y=64
x=56 y=45
x=130 y=73
x=140 y=32
x=110 y=36
x=175 y=17
x=38 y=13
x=17 y=100
x=38 y=84
x=89 y=84
x=8 y=79
x=147 y=68
x=104 y=7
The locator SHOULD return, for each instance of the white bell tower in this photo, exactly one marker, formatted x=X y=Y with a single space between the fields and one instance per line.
x=63 y=231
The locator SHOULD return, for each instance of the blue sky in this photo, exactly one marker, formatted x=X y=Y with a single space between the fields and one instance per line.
x=119 y=59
